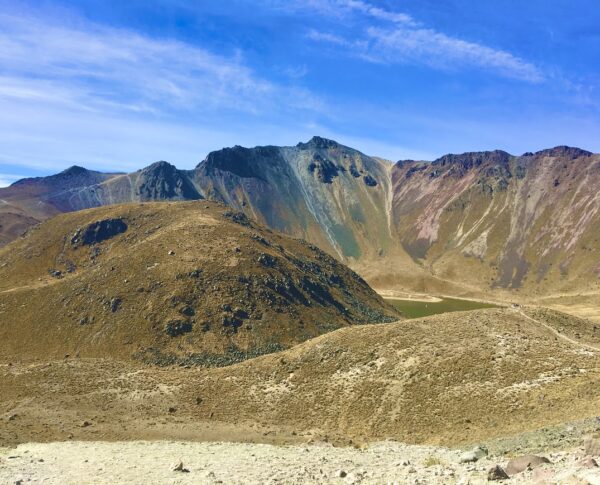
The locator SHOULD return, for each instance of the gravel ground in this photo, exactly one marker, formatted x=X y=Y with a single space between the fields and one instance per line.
x=146 y=462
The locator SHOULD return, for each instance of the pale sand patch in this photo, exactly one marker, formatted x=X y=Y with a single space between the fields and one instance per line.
x=149 y=462
x=403 y=295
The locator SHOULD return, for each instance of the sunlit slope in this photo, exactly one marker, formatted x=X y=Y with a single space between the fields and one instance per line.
x=189 y=282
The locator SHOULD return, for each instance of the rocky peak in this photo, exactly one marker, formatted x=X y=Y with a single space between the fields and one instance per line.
x=74 y=176
x=563 y=152
x=474 y=159
x=74 y=170
x=240 y=161
x=163 y=181
x=317 y=142
x=160 y=167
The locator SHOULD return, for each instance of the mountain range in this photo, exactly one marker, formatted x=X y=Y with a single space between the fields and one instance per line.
x=461 y=224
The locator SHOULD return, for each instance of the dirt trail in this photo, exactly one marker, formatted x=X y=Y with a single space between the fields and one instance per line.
x=33 y=286
x=561 y=336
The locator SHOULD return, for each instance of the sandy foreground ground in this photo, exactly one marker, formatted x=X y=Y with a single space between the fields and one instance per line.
x=148 y=462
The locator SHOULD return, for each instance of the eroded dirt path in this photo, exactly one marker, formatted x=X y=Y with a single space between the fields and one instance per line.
x=561 y=336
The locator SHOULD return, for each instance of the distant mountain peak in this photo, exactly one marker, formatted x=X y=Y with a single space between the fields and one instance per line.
x=161 y=165
x=74 y=170
x=318 y=142
x=562 y=151
x=474 y=159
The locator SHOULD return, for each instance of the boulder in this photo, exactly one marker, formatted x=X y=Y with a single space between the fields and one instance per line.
x=497 y=473
x=592 y=445
x=589 y=462
x=474 y=455
x=526 y=462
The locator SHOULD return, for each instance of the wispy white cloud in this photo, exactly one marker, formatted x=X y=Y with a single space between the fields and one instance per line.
x=81 y=93
x=376 y=12
x=440 y=50
x=342 y=8
x=96 y=66
x=407 y=41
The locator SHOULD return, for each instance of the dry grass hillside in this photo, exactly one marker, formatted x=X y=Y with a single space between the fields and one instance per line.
x=191 y=283
x=447 y=379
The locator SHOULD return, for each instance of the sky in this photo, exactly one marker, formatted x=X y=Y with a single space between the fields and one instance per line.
x=115 y=86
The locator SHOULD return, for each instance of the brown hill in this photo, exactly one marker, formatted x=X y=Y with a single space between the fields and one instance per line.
x=191 y=282
x=450 y=379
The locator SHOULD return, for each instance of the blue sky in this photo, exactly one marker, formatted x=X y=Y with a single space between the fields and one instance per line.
x=118 y=85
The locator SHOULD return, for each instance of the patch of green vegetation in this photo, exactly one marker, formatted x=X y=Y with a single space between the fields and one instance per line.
x=418 y=309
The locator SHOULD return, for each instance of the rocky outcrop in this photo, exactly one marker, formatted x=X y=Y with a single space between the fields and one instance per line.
x=98 y=231
x=162 y=181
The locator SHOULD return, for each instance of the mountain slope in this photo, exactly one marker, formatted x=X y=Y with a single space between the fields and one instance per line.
x=463 y=224
x=500 y=221
x=322 y=191
x=190 y=282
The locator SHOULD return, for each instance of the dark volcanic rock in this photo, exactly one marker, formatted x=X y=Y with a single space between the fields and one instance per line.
x=326 y=170
x=370 y=181
x=318 y=143
x=497 y=473
x=470 y=160
x=98 y=231
x=162 y=181
x=178 y=327
x=240 y=161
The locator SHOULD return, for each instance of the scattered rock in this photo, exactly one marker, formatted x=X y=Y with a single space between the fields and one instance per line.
x=267 y=260
x=178 y=327
x=85 y=424
x=497 y=473
x=341 y=474
x=592 y=445
x=474 y=455
x=172 y=410
x=115 y=303
x=55 y=273
x=589 y=462
x=178 y=467
x=523 y=463
x=188 y=311
x=544 y=475
x=171 y=253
